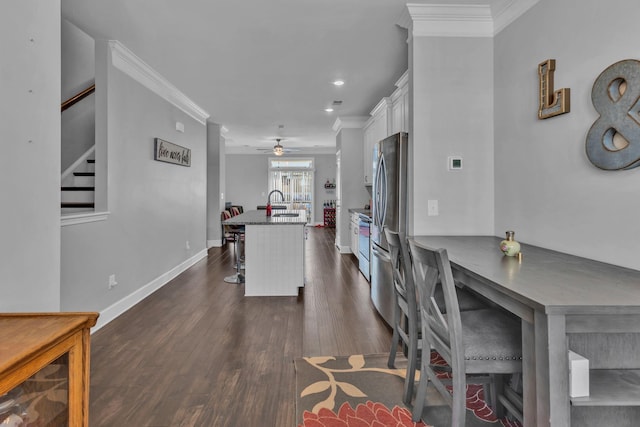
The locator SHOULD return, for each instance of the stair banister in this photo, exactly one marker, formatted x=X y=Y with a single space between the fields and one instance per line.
x=78 y=97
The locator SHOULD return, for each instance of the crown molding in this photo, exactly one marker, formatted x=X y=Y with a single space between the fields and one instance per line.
x=130 y=64
x=349 y=122
x=451 y=20
x=462 y=20
x=403 y=80
x=384 y=103
x=511 y=12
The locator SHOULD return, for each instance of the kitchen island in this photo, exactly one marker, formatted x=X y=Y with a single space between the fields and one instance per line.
x=274 y=251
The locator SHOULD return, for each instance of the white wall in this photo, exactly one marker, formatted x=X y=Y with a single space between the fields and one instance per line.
x=30 y=160
x=451 y=85
x=546 y=188
x=353 y=193
x=215 y=183
x=155 y=207
x=246 y=180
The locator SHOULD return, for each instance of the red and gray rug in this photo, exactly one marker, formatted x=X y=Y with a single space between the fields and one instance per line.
x=361 y=391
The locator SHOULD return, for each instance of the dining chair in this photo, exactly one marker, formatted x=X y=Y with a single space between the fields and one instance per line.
x=485 y=342
x=405 y=314
x=406 y=319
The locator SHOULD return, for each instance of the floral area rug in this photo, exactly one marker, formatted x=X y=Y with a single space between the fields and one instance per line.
x=360 y=390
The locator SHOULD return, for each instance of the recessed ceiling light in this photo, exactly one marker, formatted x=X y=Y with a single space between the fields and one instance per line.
x=338 y=82
x=328 y=110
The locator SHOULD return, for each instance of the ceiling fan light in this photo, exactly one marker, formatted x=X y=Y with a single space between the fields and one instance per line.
x=277 y=150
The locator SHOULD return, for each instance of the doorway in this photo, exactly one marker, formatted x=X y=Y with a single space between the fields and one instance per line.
x=294 y=177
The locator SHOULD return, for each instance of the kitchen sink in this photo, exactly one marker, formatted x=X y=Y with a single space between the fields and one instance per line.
x=291 y=214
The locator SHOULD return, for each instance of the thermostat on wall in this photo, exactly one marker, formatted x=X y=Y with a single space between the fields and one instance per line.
x=455 y=163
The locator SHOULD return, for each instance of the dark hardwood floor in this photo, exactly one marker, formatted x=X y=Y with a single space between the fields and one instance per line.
x=199 y=353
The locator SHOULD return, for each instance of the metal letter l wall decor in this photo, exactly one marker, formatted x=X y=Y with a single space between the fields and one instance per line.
x=551 y=103
x=613 y=142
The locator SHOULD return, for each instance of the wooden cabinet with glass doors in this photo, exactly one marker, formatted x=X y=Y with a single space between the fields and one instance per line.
x=44 y=369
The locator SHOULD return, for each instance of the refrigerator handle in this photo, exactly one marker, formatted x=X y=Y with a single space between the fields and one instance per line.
x=381 y=191
x=380 y=254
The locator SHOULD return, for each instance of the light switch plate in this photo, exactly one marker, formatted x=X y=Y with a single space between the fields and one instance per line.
x=432 y=208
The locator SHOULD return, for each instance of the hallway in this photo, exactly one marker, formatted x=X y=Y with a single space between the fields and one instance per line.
x=199 y=353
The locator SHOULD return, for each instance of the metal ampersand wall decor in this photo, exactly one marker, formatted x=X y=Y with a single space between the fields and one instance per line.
x=613 y=142
x=552 y=103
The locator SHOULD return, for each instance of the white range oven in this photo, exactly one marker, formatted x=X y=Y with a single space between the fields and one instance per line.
x=364 y=250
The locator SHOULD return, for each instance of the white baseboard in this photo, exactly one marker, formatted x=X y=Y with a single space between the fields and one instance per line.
x=116 y=309
x=344 y=249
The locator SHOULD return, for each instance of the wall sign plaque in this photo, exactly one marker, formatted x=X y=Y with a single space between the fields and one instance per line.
x=552 y=103
x=613 y=142
x=166 y=151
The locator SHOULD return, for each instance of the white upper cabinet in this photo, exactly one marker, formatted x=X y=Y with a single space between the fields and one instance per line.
x=389 y=116
x=400 y=106
x=377 y=128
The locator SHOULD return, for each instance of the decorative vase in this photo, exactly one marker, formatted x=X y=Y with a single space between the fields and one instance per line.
x=509 y=246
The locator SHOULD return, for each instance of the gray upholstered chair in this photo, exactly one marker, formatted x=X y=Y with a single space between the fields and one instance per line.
x=486 y=341
x=406 y=319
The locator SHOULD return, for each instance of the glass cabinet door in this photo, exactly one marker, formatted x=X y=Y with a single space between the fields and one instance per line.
x=42 y=400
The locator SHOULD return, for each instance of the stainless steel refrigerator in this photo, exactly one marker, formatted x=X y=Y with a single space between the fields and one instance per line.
x=389 y=210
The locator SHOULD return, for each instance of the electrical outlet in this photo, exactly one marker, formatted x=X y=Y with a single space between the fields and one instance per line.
x=187 y=245
x=432 y=208
x=112 y=281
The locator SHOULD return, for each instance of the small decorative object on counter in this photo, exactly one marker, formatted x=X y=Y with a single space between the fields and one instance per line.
x=268 y=209
x=509 y=246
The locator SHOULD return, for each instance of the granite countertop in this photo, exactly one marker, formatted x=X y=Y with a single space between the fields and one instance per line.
x=259 y=217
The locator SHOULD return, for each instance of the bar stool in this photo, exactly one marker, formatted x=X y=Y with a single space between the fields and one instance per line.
x=238 y=277
x=238 y=237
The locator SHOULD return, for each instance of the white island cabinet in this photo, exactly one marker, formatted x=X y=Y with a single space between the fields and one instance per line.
x=274 y=251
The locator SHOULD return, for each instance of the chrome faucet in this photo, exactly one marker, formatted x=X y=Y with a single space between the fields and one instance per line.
x=274 y=191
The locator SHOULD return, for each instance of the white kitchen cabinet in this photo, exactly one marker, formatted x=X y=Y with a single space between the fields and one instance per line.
x=377 y=128
x=353 y=228
x=400 y=106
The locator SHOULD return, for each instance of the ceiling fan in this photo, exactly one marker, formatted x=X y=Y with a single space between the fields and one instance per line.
x=278 y=149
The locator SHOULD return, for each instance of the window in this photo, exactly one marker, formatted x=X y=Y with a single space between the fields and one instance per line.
x=294 y=177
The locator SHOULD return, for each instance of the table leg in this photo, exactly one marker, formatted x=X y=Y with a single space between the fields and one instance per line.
x=528 y=374
x=552 y=371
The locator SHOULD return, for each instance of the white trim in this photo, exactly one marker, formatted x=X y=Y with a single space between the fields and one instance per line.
x=349 y=122
x=462 y=20
x=403 y=80
x=118 y=308
x=451 y=20
x=511 y=12
x=83 y=218
x=77 y=163
x=127 y=62
x=384 y=103
x=344 y=249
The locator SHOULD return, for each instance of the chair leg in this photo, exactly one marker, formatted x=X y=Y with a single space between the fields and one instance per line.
x=395 y=339
x=421 y=394
x=497 y=388
x=412 y=359
x=459 y=403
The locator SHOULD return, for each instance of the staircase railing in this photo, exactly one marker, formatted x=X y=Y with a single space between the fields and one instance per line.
x=78 y=97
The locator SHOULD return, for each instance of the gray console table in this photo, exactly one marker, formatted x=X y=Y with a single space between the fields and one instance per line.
x=565 y=302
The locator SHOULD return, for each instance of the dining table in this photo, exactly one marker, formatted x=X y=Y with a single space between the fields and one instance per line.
x=565 y=302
